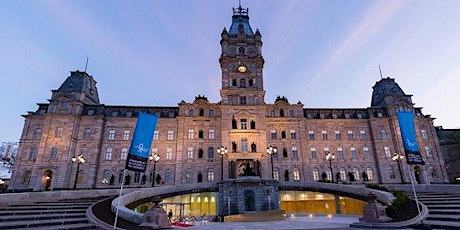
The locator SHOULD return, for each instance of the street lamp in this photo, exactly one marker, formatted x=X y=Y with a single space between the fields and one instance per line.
x=330 y=157
x=155 y=158
x=222 y=151
x=79 y=160
x=399 y=157
x=272 y=150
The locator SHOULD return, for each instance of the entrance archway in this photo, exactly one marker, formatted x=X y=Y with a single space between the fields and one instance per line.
x=418 y=174
x=47 y=177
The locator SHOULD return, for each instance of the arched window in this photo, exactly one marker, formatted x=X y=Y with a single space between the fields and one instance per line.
x=201 y=112
x=283 y=134
x=253 y=124
x=200 y=134
x=281 y=112
x=199 y=178
x=211 y=175
x=296 y=174
x=242 y=83
x=286 y=175
x=200 y=153
x=234 y=126
x=276 y=174
x=251 y=82
x=370 y=174
x=241 y=49
x=233 y=82
x=26 y=177
x=315 y=175
x=210 y=152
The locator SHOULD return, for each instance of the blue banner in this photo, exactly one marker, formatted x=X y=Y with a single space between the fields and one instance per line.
x=406 y=125
x=139 y=150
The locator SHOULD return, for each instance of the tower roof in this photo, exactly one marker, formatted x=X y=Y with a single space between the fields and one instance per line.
x=240 y=22
x=384 y=88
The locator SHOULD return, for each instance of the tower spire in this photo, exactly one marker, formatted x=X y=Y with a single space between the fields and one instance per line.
x=86 y=64
x=381 y=77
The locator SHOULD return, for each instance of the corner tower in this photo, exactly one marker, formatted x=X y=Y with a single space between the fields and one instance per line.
x=241 y=62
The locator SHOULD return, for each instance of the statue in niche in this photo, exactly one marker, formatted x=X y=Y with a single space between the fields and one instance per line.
x=249 y=203
x=245 y=169
x=253 y=147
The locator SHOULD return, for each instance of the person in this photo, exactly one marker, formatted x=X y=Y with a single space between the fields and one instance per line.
x=170 y=215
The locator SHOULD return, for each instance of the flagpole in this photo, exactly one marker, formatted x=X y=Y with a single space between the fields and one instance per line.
x=119 y=200
x=415 y=193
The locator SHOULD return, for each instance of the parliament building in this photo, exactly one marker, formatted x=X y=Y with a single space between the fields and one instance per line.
x=360 y=142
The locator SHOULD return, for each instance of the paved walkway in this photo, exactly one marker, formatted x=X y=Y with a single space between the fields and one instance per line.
x=295 y=222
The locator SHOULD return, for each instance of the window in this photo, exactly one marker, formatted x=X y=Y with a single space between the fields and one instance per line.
x=324 y=135
x=26 y=178
x=106 y=174
x=233 y=82
x=54 y=153
x=190 y=153
x=211 y=175
x=338 y=136
x=190 y=134
x=291 y=113
x=168 y=153
x=211 y=134
x=201 y=112
x=168 y=176
x=108 y=154
x=137 y=177
x=428 y=151
x=354 y=153
x=424 y=134
x=315 y=175
x=170 y=135
x=191 y=112
x=244 y=145
x=313 y=153
x=242 y=100
x=251 y=82
x=87 y=134
x=383 y=134
x=281 y=112
x=32 y=154
x=366 y=152
x=326 y=150
x=188 y=175
x=210 y=152
x=363 y=135
x=350 y=134
x=37 y=134
x=126 y=133
x=370 y=174
x=434 y=172
x=391 y=172
x=356 y=173
x=283 y=134
x=272 y=113
x=211 y=113
x=242 y=83
x=120 y=176
x=311 y=135
x=124 y=153
x=295 y=153
x=340 y=153
x=296 y=174
x=200 y=134
x=154 y=151
x=156 y=135
x=111 y=134
x=253 y=124
x=276 y=174
x=273 y=134
x=293 y=134
x=387 y=151
x=58 y=132
x=285 y=155
x=343 y=175
x=328 y=175
x=200 y=153
x=244 y=124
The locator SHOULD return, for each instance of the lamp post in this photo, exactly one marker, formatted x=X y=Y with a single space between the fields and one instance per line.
x=398 y=158
x=222 y=151
x=155 y=158
x=79 y=160
x=330 y=157
x=270 y=151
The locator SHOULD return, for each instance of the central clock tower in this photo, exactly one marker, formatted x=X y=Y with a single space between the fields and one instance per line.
x=241 y=62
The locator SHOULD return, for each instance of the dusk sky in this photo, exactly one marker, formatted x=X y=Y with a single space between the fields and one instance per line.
x=156 y=53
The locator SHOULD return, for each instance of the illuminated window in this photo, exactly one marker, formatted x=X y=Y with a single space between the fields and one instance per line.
x=190 y=134
x=363 y=134
x=170 y=135
x=324 y=135
x=351 y=135
x=276 y=174
x=124 y=153
x=108 y=154
x=343 y=175
x=424 y=134
x=168 y=153
x=126 y=133
x=338 y=136
x=356 y=173
x=428 y=151
x=112 y=134
x=370 y=174
x=156 y=135
x=387 y=151
x=311 y=135
x=190 y=153
x=315 y=175
x=296 y=174
x=211 y=134
x=211 y=175
x=293 y=134
x=295 y=153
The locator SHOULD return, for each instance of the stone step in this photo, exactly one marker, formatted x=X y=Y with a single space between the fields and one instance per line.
x=442 y=224
x=81 y=226
x=443 y=206
x=39 y=212
x=38 y=223
x=5 y=218
x=43 y=207
x=443 y=217
x=440 y=201
x=445 y=211
x=63 y=203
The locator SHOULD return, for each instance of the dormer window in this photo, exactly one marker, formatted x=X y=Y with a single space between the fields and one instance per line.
x=241 y=51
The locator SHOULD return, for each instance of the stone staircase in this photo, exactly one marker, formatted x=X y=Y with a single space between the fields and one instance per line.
x=68 y=214
x=443 y=210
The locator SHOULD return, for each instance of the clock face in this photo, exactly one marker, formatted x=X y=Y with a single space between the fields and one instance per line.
x=242 y=69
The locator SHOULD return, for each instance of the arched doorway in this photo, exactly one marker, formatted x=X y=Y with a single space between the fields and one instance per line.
x=418 y=175
x=46 y=179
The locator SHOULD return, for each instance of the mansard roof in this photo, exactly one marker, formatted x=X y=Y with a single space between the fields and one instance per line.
x=384 y=88
x=240 y=23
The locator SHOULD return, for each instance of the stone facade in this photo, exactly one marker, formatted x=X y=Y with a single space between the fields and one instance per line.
x=188 y=135
x=449 y=141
